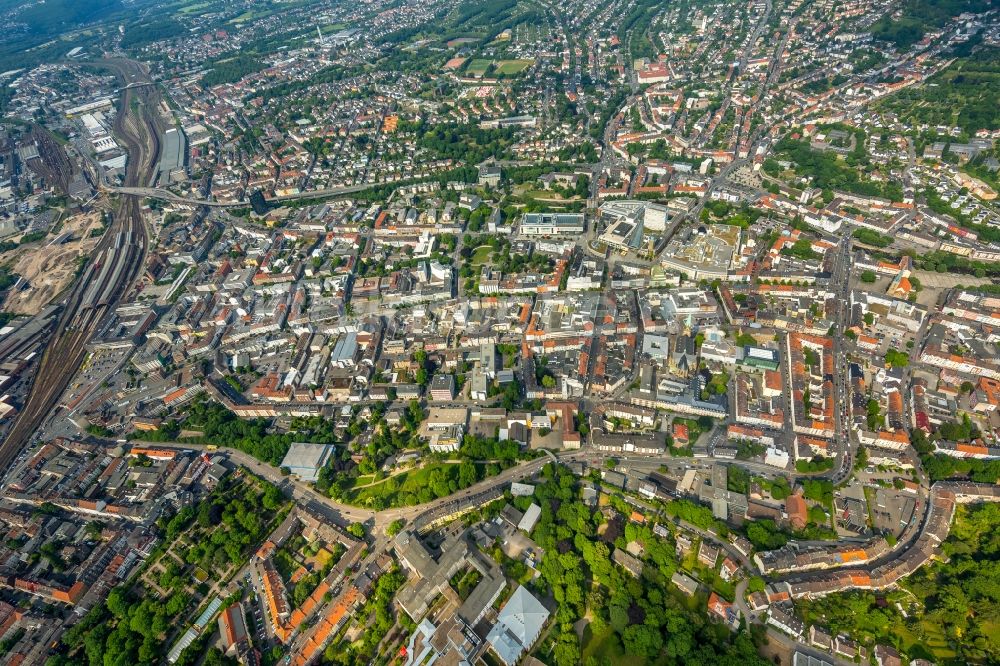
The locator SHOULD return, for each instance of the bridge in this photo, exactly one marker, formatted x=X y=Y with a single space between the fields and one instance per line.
x=167 y=195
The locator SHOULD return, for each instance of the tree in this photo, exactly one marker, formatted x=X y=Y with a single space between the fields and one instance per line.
x=356 y=530
x=896 y=358
x=272 y=497
x=467 y=474
x=394 y=528
x=868 y=276
x=118 y=603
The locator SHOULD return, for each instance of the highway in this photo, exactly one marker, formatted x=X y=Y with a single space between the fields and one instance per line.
x=115 y=263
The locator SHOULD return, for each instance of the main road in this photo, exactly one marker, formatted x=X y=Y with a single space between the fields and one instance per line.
x=115 y=263
x=344 y=514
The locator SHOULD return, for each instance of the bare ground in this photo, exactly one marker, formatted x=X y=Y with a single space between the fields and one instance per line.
x=48 y=268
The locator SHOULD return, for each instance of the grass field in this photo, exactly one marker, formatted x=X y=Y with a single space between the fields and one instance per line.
x=478 y=66
x=513 y=66
x=198 y=6
x=393 y=487
x=606 y=648
x=481 y=255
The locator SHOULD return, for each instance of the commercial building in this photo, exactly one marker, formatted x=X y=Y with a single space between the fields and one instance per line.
x=173 y=159
x=305 y=460
x=705 y=252
x=442 y=387
x=518 y=626
x=552 y=224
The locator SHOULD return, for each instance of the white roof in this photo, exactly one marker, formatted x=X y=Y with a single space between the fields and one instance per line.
x=305 y=456
x=530 y=518
x=518 y=625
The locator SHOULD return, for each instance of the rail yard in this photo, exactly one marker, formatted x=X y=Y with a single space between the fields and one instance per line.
x=116 y=262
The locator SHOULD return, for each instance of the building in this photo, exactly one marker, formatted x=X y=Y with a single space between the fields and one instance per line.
x=552 y=224
x=798 y=513
x=305 y=460
x=233 y=629
x=760 y=358
x=489 y=175
x=518 y=626
x=442 y=387
x=703 y=253
x=687 y=585
x=631 y=564
x=803 y=659
x=173 y=158
x=530 y=518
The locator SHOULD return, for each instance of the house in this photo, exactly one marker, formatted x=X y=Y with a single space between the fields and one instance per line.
x=687 y=585
x=723 y=610
x=708 y=554
x=887 y=656
x=627 y=562
x=786 y=622
x=530 y=518
x=729 y=570
x=680 y=433
x=798 y=513
x=233 y=629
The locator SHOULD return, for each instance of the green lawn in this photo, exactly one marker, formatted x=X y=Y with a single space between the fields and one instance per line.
x=513 y=66
x=606 y=646
x=481 y=255
x=478 y=66
x=393 y=487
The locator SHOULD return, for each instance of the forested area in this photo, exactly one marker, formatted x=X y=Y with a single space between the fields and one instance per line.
x=917 y=17
x=645 y=618
x=152 y=30
x=465 y=144
x=871 y=237
x=485 y=15
x=32 y=29
x=950 y=608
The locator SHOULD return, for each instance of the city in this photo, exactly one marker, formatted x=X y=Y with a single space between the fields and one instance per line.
x=499 y=332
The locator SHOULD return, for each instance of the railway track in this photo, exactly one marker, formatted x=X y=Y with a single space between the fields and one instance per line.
x=117 y=262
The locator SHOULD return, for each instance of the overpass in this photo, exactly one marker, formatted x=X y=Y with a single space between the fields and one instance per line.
x=167 y=195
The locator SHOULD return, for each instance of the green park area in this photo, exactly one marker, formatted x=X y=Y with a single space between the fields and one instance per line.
x=481 y=255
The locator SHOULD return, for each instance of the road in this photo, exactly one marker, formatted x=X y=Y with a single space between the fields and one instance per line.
x=345 y=514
